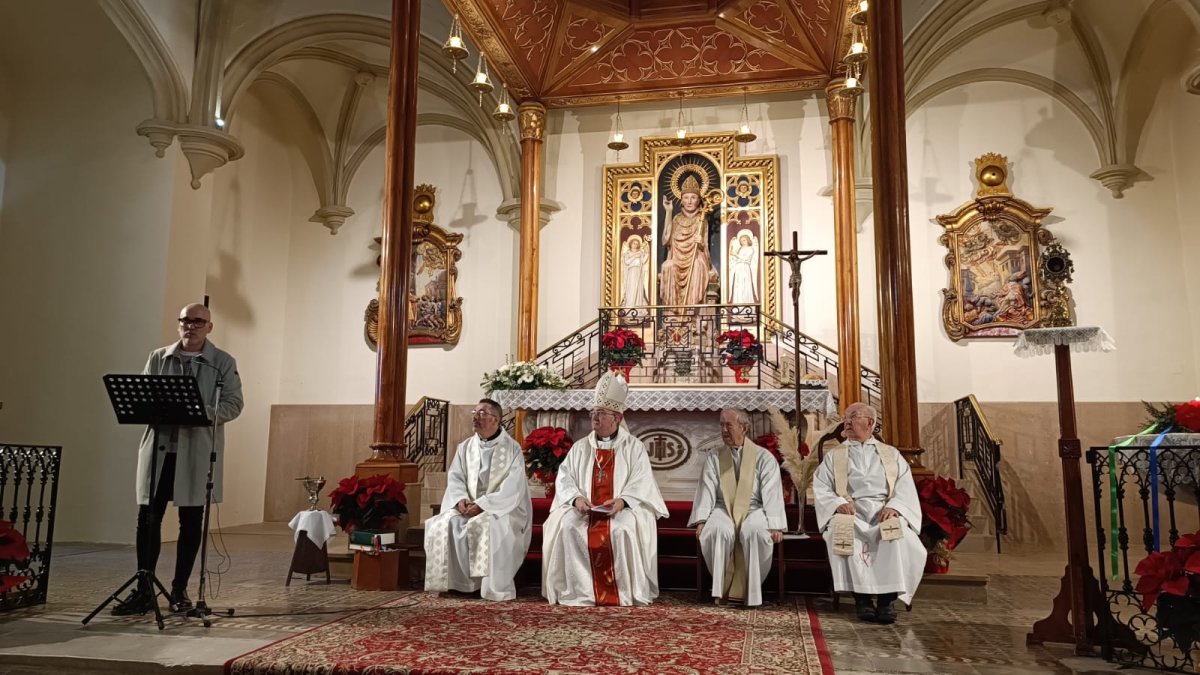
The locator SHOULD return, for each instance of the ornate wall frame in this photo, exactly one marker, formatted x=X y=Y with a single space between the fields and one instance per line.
x=743 y=193
x=434 y=308
x=994 y=245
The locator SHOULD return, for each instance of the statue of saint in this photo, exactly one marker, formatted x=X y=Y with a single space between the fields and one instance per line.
x=688 y=269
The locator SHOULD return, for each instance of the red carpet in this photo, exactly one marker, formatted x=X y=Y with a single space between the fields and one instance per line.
x=425 y=633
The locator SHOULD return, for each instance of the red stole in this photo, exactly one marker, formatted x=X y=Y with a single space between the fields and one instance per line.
x=604 y=577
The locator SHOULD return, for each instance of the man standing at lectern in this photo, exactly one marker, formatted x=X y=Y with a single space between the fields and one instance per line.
x=600 y=541
x=182 y=456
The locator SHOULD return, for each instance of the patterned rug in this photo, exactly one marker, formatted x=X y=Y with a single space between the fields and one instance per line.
x=425 y=633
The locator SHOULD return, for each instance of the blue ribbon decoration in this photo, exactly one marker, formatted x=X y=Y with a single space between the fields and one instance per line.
x=1154 y=484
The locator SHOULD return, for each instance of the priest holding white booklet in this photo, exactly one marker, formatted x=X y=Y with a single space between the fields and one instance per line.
x=600 y=543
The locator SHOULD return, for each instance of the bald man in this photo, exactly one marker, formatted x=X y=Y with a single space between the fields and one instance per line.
x=183 y=454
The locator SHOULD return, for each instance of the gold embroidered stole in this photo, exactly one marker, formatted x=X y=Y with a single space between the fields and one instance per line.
x=736 y=489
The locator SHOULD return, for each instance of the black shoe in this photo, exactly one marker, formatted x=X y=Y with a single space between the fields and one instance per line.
x=180 y=602
x=134 y=603
x=885 y=613
x=863 y=608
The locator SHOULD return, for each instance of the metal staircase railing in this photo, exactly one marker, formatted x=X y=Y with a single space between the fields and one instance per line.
x=426 y=435
x=977 y=444
x=682 y=348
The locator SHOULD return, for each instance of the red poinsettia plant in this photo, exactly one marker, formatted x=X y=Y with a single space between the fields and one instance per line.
x=370 y=504
x=1169 y=578
x=944 y=507
x=622 y=347
x=740 y=347
x=1179 y=417
x=545 y=449
x=14 y=552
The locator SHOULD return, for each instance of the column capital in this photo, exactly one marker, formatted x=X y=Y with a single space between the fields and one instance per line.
x=510 y=212
x=531 y=117
x=840 y=107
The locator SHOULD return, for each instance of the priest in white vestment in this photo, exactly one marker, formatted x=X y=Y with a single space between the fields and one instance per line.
x=479 y=539
x=872 y=482
x=738 y=512
x=600 y=541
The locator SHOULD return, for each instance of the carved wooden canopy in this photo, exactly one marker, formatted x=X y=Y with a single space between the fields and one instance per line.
x=586 y=52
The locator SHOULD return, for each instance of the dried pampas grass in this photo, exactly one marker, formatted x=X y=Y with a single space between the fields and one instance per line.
x=800 y=468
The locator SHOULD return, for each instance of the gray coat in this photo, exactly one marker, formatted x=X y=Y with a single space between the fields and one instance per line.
x=194 y=443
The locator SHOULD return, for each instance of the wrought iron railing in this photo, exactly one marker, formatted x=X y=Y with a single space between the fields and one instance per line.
x=1124 y=490
x=576 y=357
x=978 y=445
x=28 y=497
x=426 y=434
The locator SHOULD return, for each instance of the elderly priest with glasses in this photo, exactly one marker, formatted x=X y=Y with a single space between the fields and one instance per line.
x=870 y=517
x=601 y=541
x=738 y=512
x=478 y=540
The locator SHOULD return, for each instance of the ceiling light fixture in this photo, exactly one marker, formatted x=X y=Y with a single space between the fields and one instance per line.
x=744 y=135
x=455 y=49
x=681 y=128
x=503 y=111
x=859 y=16
x=482 y=84
x=858 y=48
x=617 y=142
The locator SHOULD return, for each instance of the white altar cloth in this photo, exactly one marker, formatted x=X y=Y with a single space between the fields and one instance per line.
x=754 y=400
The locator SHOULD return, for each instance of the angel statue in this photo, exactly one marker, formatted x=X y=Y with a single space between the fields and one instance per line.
x=634 y=257
x=743 y=269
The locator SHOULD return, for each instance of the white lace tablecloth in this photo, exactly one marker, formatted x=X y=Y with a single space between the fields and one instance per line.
x=1041 y=341
x=811 y=400
x=1182 y=464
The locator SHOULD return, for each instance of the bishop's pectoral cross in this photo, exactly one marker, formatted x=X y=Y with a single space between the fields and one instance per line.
x=794 y=257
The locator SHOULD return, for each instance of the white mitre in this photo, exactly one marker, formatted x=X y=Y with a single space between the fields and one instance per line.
x=611 y=392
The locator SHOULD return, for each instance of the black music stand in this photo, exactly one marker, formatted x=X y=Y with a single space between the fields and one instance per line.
x=154 y=400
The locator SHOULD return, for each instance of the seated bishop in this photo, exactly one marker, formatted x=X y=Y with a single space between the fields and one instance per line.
x=479 y=539
x=738 y=512
x=600 y=541
x=870 y=517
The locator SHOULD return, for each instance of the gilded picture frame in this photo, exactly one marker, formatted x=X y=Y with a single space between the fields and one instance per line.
x=740 y=200
x=434 y=307
x=993 y=253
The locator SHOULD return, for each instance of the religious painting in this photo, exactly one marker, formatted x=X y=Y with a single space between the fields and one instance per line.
x=994 y=246
x=434 y=310
x=688 y=224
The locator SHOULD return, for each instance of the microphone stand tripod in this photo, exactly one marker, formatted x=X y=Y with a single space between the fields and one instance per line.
x=201 y=610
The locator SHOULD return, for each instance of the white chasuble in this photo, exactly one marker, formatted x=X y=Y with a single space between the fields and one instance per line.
x=736 y=540
x=482 y=553
x=633 y=536
x=875 y=566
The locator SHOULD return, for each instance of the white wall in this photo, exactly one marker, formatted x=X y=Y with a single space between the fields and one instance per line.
x=332 y=278
x=254 y=211
x=81 y=257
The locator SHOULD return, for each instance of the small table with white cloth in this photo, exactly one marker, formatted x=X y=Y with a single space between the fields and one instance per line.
x=313 y=530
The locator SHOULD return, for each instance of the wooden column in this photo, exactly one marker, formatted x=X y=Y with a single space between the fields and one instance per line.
x=845 y=225
x=532 y=119
x=400 y=150
x=893 y=258
x=1071 y=619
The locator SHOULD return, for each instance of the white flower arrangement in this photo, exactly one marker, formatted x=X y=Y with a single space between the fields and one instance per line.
x=522 y=375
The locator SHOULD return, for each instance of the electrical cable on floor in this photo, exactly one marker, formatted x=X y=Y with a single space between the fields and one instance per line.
x=223 y=560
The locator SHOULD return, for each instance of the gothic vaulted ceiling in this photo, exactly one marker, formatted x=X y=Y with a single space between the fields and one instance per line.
x=586 y=52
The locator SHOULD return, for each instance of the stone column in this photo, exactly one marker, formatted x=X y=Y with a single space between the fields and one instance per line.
x=845 y=225
x=400 y=151
x=893 y=257
x=532 y=119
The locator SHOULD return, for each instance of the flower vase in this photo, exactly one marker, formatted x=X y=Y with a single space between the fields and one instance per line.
x=936 y=564
x=622 y=368
x=741 y=371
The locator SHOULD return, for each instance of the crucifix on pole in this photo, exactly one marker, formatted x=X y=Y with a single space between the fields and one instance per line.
x=794 y=258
